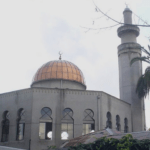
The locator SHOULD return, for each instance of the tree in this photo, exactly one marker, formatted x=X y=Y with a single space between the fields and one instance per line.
x=143 y=84
x=127 y=142
x=113 y=20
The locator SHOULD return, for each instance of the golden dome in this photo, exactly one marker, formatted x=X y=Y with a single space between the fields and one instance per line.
x=59 y=69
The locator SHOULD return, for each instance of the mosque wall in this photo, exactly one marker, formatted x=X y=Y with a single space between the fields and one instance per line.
x=116 y=107
x=77 y=100
x=12 y=102
x=34 y=99
x=43 y=98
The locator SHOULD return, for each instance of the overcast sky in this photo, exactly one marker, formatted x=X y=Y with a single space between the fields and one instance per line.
x=32 y=32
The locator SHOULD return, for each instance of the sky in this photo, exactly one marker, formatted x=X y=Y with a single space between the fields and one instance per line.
x=32 y=32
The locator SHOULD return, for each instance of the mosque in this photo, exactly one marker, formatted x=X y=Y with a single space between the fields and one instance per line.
x=58 y=107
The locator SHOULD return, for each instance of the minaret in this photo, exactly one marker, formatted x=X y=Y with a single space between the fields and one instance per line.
x=129 y=75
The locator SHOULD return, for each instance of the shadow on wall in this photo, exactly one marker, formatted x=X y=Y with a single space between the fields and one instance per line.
x=9 y=148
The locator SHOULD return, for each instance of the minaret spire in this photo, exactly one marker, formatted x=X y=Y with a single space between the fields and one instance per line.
x=127 y=16
x=126 y=5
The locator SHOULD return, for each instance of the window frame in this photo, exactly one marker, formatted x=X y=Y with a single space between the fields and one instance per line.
x=126 y=128
x=46 y=119
x=109 y=122
x=5 y=127
x=20 y=120
x=67 y=118
x=118 y=126
x=88 y=120
x=46 y=130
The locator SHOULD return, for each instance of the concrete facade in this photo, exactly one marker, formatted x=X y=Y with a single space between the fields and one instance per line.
x=59 y=84
x=34 y=99
x=9 y=148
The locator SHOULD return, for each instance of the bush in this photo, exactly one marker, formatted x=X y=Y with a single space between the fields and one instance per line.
x=125 y=143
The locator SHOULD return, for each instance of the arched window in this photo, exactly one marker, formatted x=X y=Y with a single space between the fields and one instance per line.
x=88 y=122
x=45 y=127
x=118 y=123
x=20 y=124
x=108 y=122
x=5 y=127
x=67 y=124
x=125 y=125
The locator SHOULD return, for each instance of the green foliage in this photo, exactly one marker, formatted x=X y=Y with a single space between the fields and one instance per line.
x=100 y=144
x=139 y=58
x=143 y=85
x=125 y=143
x=142 y=58
x=53 y=147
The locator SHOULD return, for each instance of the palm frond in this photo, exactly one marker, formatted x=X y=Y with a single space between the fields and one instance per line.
x=139 y=58
x=146 y=51
x=147 y=76
x=140 y=88
x=143 y=85
x=149 y=47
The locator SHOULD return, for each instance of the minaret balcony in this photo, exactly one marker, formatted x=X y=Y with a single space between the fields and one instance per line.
x=128 y=28
x=129 y=47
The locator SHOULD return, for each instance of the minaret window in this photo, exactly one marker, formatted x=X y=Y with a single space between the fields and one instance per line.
x=67 y=124
x=5 y=127
x=118 y=123
x=88 y=122
x=45 y=127
x=20 y=124
x=108 y=122
x=125 y=125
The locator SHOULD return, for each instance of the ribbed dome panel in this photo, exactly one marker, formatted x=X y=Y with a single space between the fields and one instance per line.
x=59 y=69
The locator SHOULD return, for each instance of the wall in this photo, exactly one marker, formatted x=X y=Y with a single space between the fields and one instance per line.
x=12 y=102
x=43 y=98
x=61 y=84
x=9 y=148
x=116 y=107
x=33 y=100
x=57 y=100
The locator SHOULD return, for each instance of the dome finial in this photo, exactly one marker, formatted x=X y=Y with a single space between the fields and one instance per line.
x=126 y=5
x=127 y=8
x=60 y=55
